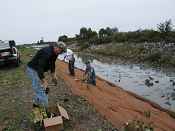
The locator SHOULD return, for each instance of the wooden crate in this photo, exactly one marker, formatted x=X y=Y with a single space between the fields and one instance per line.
x=56 y=123
x=53 y=124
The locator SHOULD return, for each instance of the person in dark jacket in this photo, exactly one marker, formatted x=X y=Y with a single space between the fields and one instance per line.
x=43 y=61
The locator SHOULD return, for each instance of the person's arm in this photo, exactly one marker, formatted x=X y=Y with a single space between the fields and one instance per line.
x=53 y=73
x=40 y=71
x=52 y=68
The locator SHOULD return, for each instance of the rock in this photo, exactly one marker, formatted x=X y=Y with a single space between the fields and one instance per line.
x=151 y=84
x=66 y=100
x=173 y=83
x=151 y=78
x=163 y=96
x=168 y=103
x=24 y=124
x=171 y=80
x=148 y=83
x=156 y=81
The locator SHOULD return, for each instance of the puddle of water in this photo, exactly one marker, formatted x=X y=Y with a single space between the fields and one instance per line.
x=132 y=77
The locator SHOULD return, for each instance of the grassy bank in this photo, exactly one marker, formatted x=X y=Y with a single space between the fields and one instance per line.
x=15 y=96
x=139 y=53
x=16 y=101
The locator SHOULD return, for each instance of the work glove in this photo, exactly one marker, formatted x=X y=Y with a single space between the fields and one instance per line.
x=44 y=83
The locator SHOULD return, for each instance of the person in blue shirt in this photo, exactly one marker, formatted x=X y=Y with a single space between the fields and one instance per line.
x=90 y=74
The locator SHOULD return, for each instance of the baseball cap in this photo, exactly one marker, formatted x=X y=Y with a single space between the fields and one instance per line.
x=61 y=45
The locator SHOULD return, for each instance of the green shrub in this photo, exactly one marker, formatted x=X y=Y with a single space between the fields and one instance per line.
x=153 y=57
x=83 y=46
x=137 y=125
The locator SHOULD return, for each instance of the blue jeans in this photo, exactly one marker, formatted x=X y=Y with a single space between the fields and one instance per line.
x=91 y=77
x=40 y=97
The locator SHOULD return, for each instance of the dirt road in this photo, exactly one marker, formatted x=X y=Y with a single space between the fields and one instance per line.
x=115 y=104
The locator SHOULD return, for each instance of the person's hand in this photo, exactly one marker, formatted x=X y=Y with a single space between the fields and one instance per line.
x=47 y=90
x=44 y=83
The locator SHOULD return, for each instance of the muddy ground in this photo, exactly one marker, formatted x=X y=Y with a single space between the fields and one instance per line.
x=16 y=102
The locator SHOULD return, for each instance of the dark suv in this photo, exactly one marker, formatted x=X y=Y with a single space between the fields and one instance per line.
x=9 y=53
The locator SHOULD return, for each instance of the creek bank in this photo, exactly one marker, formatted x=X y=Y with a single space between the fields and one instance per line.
x=116 y=104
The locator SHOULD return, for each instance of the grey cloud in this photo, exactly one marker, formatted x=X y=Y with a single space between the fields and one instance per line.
x=29 y=20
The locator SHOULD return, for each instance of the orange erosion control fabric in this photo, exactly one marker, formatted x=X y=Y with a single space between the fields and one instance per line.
x=115 y=104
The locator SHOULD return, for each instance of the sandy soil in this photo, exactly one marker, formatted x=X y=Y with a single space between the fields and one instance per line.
x=115 y=104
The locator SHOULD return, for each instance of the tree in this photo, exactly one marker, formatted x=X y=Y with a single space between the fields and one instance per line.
x=165 y=27
x=94 y=34
x=83 y=33
x=108 y=31
x=86 y=34
x=91 y=34
x=63 y=38
x=102 y=32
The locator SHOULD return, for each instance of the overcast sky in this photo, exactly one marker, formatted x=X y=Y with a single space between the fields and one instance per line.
x=27 y=21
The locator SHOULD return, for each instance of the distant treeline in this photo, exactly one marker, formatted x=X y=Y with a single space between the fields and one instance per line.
x=164 y=32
